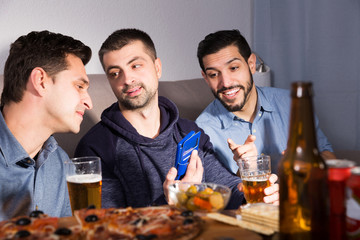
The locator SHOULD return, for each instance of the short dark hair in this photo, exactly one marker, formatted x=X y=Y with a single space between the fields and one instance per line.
x=123 y=37
x=216 y=41
x=38 y=49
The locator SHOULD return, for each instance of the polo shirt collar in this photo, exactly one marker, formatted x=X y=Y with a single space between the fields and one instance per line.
x=12 y=150
x=227 y=117
x=264 y=102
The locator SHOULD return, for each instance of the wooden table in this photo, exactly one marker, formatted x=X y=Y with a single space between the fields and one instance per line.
x=215 y=230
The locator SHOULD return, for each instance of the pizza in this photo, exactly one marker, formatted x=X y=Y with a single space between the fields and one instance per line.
x=139 y=223
x=36 y=226
x=161 y=223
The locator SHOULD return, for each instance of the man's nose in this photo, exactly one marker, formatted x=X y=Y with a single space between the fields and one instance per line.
x=128 y=78
x=87 y=101
x=225 y=80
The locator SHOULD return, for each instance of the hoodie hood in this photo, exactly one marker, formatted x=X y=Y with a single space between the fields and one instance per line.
x=114 y=119
x=136 y=155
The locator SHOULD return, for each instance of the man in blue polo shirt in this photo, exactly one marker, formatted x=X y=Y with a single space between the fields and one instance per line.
x=242 y=111
x=45 y=91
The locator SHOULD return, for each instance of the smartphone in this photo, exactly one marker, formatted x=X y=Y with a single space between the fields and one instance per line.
x=184 y=149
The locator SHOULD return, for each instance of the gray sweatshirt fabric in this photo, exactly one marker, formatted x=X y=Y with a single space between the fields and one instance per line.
x=134 y=167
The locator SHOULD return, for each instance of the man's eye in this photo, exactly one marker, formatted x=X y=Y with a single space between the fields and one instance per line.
x=213 y=75
x=80 y=86
x=114 y=74
x=136 y=66
x=234 y=68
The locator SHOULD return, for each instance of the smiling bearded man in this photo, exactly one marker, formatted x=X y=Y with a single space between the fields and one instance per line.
x=243 y=112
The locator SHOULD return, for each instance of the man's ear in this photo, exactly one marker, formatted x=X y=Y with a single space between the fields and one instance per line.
x=158 y=67
x=37 y=80
x=252 y=63
x=205 y=77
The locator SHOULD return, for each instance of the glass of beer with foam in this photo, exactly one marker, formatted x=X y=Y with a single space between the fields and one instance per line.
x=255 y=172
x=83 y=176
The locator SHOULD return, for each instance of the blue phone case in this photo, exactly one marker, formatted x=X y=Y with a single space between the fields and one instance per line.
x=189 y=143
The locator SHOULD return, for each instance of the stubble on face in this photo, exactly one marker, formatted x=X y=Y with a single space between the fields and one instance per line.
x=139 y=101
x=236 y=106
x=133 y=76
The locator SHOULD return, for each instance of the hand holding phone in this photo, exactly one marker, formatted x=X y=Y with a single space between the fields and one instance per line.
x=184 y=149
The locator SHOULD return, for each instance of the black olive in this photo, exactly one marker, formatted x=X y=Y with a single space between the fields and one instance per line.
x=187 y=213
x=91 y=218
x=139 y=220
x=145 y=237
x=63 y=231
x=188 y=221
x=136 y=221
x=92 y=206
x=23 y=221
x=22 y=234
x=36 y=213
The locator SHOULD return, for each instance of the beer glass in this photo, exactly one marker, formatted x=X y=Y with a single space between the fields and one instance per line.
x=83 y=176
x=255 y=172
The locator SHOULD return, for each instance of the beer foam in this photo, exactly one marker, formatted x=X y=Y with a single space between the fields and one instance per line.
x=257 y=178
x=85 y=178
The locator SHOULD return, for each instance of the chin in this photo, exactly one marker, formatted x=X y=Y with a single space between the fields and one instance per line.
x=74 y=129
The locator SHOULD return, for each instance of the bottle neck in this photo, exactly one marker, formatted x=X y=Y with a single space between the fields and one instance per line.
x=302 y=136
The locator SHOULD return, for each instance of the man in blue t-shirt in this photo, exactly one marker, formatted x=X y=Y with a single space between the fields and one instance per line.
x=243 y=112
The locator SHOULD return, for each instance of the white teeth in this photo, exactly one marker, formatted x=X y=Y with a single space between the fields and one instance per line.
x=134 y=90
x=231 y=92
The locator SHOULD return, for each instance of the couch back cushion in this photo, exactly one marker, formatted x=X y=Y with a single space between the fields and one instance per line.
x=191 y=97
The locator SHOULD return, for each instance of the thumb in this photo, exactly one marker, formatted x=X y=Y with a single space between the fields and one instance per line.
x=171 y=174
x=240 y=186
x=250 y=139
x=232 y=144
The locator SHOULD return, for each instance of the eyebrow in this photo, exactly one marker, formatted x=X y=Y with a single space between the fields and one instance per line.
x=86 y=82
x=111 y=67
x=128 y=63
x=228 y=62
x=134 y=59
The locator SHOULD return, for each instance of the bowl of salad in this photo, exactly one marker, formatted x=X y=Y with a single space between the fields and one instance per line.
x=204 y=197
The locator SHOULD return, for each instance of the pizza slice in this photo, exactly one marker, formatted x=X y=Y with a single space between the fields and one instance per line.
x=36 y=224
x=169 y=223
x=140 y=223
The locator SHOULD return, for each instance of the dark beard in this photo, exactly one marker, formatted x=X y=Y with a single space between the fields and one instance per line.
x=137 y=102
x=236 y=107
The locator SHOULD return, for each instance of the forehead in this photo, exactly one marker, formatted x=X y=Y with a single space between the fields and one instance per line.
x=74 y=61
x=129 y=51
x=75 y=68
x=222 y=57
